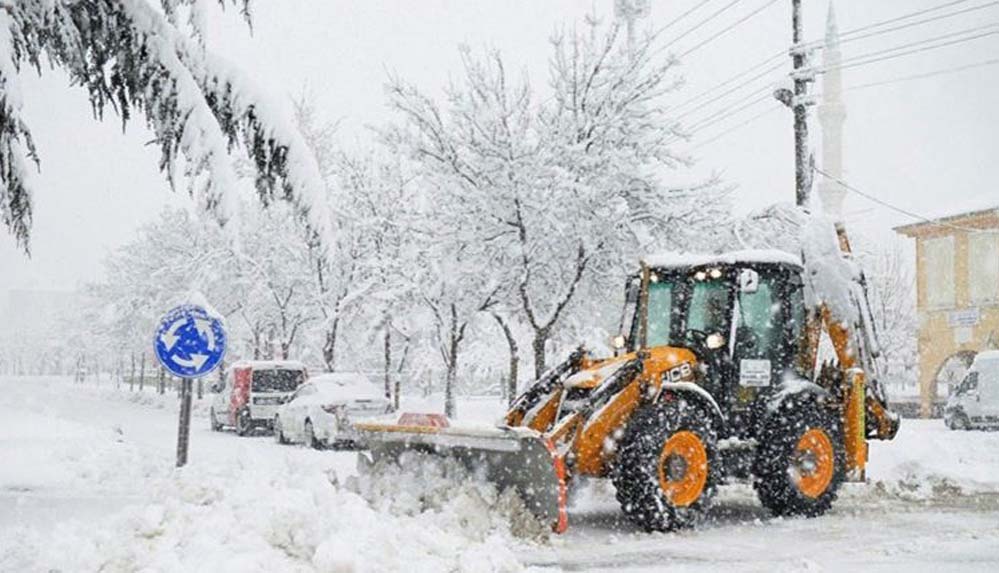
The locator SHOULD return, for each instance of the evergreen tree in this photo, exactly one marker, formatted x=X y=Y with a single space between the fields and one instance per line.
x=134 y=57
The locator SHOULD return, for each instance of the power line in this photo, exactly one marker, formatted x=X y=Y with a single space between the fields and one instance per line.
x=844 y=36
x=908 y=25
x=917 y=51
x=749 y=70
x=871 y=57
x=713 y=91
x=681 y=17
x=725 y=113
x=934 y=73
x=865 y=59
x=718 y=118
x=734 y=89
x=697 y=26
x=947 y=36
x=897 y=209
x=906 y=16
x=728 y=29
x=738 y=126
x=941 y=72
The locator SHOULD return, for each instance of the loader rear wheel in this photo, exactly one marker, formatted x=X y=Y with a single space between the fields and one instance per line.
x=667 y=467
x=801 y=461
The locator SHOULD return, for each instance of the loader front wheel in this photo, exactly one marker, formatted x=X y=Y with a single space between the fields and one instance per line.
x=667 y=466
x=801 y=461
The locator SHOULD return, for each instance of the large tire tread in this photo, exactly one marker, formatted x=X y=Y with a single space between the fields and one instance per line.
x=773 y=479
x=635 y=472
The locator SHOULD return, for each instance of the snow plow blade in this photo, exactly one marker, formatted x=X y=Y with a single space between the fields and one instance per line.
x=517 y=458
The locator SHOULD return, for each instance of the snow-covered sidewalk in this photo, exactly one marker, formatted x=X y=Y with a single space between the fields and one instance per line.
x=87 y=483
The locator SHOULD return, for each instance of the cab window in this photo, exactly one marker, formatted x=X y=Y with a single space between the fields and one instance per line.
x=756 y=321
x=709 y=307
x=660 y=313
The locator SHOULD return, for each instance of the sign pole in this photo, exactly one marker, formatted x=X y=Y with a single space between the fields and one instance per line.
x=189 y=343
x=184 y=426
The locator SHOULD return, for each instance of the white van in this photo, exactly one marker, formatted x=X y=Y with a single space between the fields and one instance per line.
x=975 y=401
x=251 y=392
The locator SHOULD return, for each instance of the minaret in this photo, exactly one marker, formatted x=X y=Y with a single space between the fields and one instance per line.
x=832 y=115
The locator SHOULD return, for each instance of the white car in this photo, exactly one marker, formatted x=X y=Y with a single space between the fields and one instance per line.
x=975 y=401
x=320 y=412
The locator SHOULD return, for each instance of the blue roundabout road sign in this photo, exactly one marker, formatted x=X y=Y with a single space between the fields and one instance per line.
x=190 y=342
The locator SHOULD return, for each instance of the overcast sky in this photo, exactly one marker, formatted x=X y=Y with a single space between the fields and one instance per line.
x=923 y=145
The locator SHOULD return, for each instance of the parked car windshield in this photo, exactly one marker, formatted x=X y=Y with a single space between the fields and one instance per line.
x=988 y=367
x=277 y=380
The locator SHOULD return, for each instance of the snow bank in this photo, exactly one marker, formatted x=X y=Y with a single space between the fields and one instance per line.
x=927 y=460
x=425 y=484
x=422 y=516
x=44 y=452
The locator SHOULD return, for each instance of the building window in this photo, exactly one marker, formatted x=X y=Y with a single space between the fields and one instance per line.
x=938 y=272
x=983 y=267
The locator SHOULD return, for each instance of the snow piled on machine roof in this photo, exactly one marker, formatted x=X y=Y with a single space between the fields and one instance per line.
x=676 y=259
x=787 y=234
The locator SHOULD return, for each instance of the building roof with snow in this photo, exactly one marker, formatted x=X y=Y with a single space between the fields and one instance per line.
x=981 y=212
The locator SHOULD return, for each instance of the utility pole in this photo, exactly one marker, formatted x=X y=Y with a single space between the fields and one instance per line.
x=798 y=102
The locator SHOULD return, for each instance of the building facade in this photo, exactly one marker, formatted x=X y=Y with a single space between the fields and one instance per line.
x=957 y=284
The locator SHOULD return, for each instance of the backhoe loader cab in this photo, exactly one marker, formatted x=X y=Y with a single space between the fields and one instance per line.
x=712 y=381
x=747 y=315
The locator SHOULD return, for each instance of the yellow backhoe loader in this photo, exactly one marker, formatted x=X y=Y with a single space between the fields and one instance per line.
x=715 y=379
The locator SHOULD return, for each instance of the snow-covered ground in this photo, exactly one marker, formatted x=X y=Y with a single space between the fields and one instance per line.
x=87 y=483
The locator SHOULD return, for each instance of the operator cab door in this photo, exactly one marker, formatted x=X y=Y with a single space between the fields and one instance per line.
x=769 y=315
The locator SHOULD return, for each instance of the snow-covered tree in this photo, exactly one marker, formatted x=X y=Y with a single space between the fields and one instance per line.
x=276 y=264
x=452 y=285
x=562 y=193
x=149 y=58
x=177 y=253
x=379 y=271
x=892 y=295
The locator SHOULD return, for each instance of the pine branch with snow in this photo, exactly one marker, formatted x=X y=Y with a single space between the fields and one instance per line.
x=134 y=58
